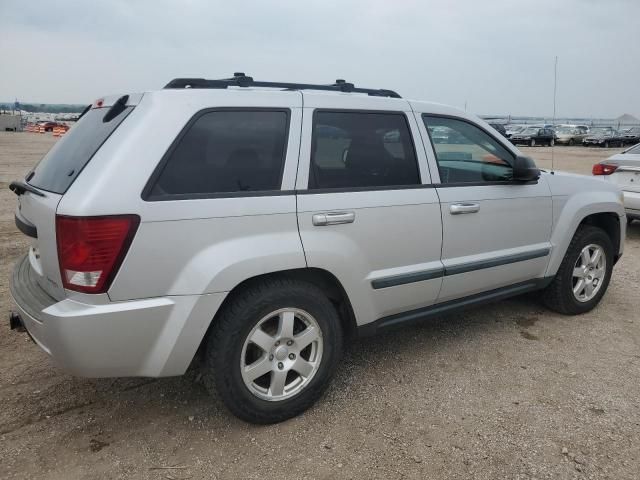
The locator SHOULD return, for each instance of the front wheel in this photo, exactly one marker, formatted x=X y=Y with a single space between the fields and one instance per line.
x=273 y=350
x=552 y=142
x=532 y=143
x=571 y=142
x=584 y=274
x=606 y=144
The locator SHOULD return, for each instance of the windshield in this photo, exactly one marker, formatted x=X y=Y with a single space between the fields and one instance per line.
x=600 y=131
x=530 y=131
x=63 y=163
x=564 y=130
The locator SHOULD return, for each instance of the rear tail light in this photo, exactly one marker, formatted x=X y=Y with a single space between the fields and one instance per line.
x=91 y=249
x=603 y=169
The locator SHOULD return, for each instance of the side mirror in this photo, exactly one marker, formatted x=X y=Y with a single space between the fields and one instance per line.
x=524 y=169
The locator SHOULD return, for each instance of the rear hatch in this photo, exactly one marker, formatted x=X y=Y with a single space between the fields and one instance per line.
x=47 y=183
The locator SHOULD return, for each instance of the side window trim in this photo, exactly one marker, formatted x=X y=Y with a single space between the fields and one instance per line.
x=146 y=193
x=312 y=141
x=433 y=157
x=425 y=138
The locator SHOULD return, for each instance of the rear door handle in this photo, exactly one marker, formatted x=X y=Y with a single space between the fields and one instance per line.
x=333 y=218
x=460 y=208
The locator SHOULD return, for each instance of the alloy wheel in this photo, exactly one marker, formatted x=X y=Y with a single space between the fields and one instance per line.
x=589 y=272
x=281 y=354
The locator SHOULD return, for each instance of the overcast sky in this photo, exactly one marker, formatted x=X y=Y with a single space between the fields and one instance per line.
x=497 y=55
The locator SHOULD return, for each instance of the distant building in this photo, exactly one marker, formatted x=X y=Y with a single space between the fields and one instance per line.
x=627 y=120
x=9 y=123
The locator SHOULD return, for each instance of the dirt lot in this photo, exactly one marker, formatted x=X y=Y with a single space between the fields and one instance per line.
x=498 y=392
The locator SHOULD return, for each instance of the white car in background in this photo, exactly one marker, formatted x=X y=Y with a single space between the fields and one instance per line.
x=623 y=169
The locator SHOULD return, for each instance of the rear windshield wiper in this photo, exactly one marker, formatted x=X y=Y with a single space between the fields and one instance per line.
x=117 y=108
x=19 y=188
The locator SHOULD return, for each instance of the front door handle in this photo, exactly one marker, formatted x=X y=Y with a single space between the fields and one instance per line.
x=333 y=218
x=460 y=208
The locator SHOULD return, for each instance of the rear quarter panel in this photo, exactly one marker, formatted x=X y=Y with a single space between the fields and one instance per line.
x=189 y=247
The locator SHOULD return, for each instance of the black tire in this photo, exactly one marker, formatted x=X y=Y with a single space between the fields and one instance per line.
x=232 y=326
x=532 y=142
x=558 y=296
x=606 y=144
x=552 y=142
x=571 y=142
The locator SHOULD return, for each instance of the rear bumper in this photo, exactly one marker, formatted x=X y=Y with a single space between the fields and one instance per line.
x=150 y=337
x=632 y=204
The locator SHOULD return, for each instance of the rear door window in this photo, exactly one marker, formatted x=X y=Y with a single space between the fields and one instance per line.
x=361 y=150
x=225 y=152
x=63 y=163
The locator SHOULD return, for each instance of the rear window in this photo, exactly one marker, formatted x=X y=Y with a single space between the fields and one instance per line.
x=63 y=163
x=224 y=152
x=362 y=150
x=634 y=150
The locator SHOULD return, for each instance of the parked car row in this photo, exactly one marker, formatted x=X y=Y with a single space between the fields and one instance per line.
x=547 y=134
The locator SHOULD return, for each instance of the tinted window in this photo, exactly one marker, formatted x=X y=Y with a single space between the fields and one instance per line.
x=227 y=151
x=353 y=149
x=59 y=168
x=466 y=153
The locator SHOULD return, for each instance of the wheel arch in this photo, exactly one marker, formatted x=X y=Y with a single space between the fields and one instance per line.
x=610 y=223
x=319 y=277
x=605 y=216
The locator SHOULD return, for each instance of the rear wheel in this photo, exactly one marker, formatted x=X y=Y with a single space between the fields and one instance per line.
x=552 y=142
x=571 y=142
x=584 y=274
x=532 y=143
x=606 y=144
x=273 y=350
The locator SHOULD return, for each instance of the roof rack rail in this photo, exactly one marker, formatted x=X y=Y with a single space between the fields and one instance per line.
x=239 y=79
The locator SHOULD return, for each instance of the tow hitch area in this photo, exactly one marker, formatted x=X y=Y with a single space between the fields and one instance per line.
x=15 y=322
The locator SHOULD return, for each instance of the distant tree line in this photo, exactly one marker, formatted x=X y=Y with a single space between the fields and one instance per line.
x=44 y=107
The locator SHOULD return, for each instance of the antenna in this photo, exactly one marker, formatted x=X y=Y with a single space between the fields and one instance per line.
x=555 y=89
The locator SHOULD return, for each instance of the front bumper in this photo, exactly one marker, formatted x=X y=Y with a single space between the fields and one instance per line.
x=152 y=337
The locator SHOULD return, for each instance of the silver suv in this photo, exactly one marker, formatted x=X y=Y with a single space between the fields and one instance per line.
x=258 y=226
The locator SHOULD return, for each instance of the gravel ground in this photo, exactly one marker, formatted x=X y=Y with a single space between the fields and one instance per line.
x=504 y=391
